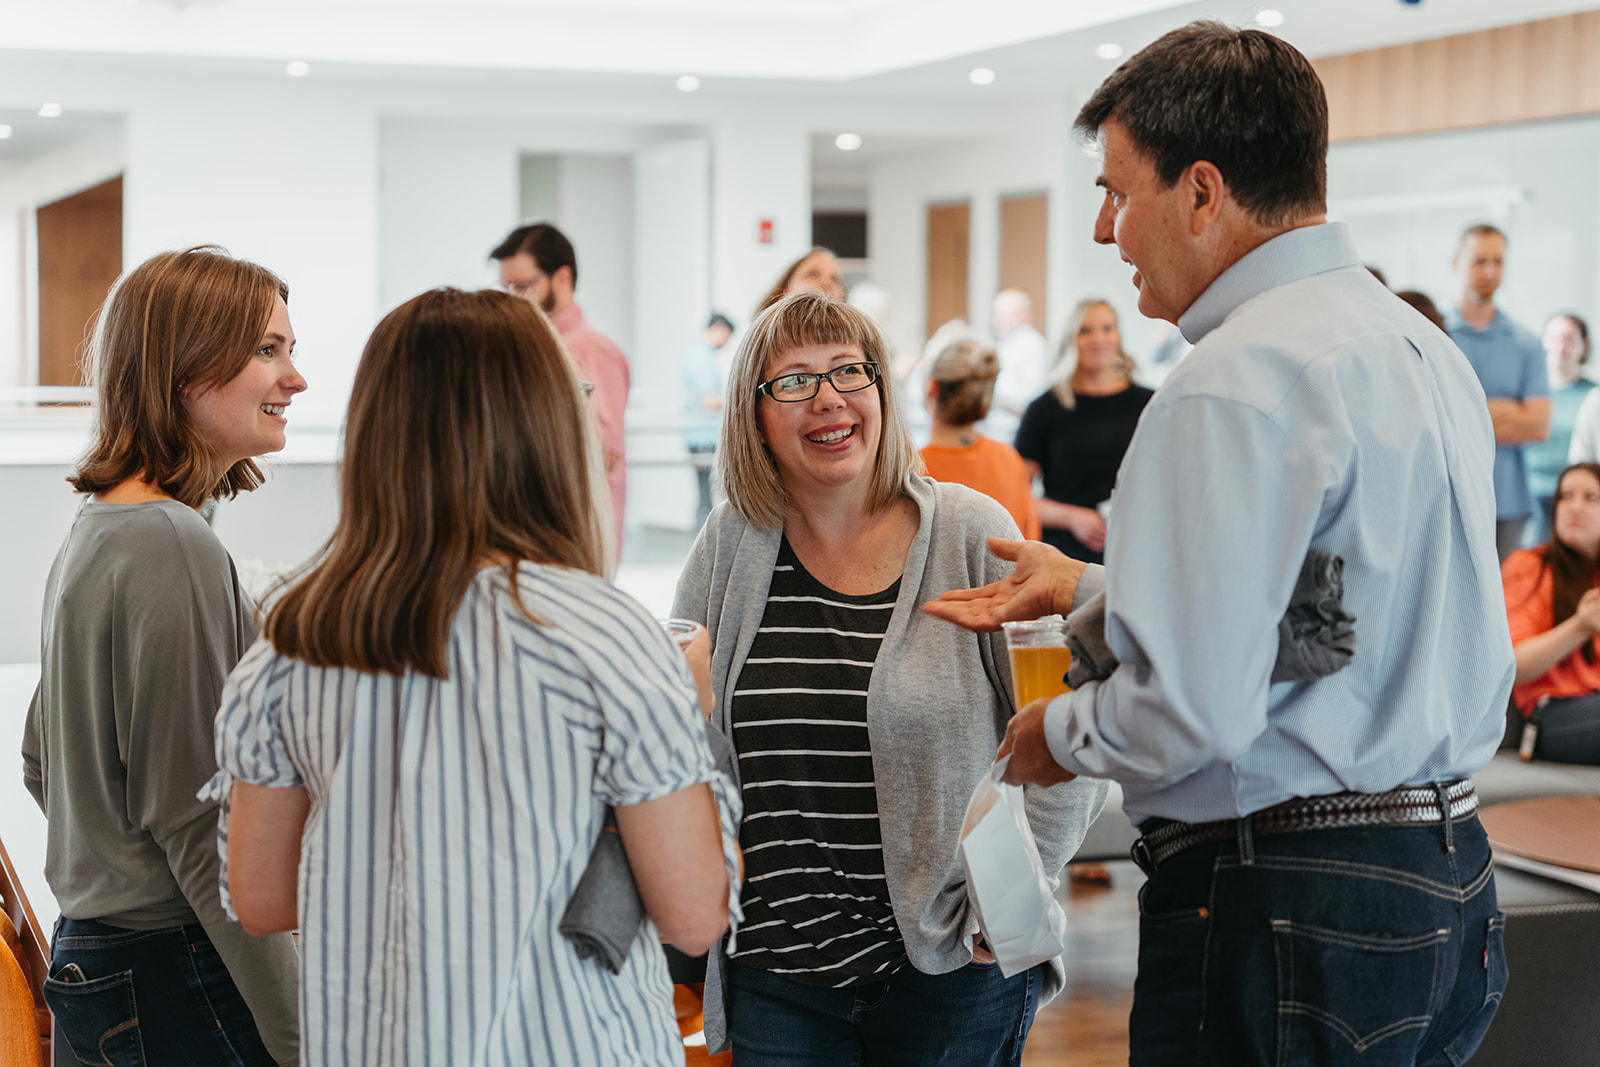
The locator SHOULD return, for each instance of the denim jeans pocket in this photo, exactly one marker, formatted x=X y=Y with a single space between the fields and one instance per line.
x=98 y=1019
x=1495 y=975
x=1340 y=992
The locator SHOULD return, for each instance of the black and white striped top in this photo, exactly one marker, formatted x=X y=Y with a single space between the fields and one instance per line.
x=451 y=820
x=816 y=903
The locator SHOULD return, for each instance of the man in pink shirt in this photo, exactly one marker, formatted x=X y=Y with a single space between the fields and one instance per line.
x=538 y=264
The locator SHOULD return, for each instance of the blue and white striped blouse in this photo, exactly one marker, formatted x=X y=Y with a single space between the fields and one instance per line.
x=451 y=820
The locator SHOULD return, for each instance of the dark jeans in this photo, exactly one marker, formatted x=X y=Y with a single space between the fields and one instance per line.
x=1373 y=946
x=971 y=1017
x=1569 y=730
x=151 y=997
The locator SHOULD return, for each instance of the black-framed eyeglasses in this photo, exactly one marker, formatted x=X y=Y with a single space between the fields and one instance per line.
x=793 y=388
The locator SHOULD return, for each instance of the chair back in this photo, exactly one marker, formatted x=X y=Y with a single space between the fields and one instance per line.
x=29 y=952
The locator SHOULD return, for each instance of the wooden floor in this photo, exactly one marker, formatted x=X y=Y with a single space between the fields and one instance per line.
x=1087 y=1025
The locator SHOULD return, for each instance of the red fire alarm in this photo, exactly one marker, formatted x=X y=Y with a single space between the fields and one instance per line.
x=765 y=235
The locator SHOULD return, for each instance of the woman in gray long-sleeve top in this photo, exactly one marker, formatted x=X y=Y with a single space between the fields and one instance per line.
x=143 y=620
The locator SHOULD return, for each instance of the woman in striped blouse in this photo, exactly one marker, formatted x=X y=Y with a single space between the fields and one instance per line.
x=426 y=740
x=860 y=725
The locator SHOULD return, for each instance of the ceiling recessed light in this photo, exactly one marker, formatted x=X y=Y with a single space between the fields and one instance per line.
x=1109 y=50
x=297 y=68
x=687 y=83
x=981 y=76
x=1269 y=17
x=50 y=111
x=847 y=142
x=5 y=131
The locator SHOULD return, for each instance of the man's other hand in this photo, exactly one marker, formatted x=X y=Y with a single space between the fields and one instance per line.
x=1042 y=583
x=1024 y=742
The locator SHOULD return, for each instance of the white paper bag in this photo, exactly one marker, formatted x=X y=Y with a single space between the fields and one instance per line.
x=1006 y=882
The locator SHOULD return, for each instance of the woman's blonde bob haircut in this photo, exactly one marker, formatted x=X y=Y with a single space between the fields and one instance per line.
x=179 y=321
x=1066 y=367
x=749 y=474
x=466 y=445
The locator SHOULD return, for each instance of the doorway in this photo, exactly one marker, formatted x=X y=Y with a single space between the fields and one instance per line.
x=80 y=257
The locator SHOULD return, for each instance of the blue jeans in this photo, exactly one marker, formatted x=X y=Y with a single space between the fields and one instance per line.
x=1374 y=946
x=971 y=1017
x=149 y=997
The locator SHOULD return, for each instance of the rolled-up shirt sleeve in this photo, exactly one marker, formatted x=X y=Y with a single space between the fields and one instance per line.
x=1215 y=511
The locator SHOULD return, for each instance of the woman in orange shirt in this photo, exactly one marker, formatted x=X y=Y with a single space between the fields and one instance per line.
x=960 y=387
x=1553 y=606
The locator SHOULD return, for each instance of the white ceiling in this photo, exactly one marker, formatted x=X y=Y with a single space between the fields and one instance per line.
x=892 y=46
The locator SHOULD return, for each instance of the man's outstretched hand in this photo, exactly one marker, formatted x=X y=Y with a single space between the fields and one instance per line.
x=1042 y=583
x=1031 y=762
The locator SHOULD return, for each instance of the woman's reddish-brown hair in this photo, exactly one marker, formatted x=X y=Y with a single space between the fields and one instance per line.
x=177 y=321
x=466 y=444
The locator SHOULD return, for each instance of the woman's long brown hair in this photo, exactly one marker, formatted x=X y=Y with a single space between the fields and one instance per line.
x=1572 y=573
x=465 y=444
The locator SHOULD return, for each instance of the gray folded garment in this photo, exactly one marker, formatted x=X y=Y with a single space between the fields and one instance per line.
x=605 y=911
x=1316 y=635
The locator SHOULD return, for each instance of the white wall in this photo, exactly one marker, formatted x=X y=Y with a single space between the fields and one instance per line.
x=761 y=169
x=671 y=184
x=282 y=178
x=449 y=193
x=1408 y=199
x=596 y=212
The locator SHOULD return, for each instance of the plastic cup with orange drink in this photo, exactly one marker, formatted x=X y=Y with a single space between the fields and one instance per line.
x=1039 y=658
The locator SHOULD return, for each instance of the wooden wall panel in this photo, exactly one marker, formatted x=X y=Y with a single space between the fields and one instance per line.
x=1530 y=71
x=949 y=226
x=1025 y=249
x=80 y=256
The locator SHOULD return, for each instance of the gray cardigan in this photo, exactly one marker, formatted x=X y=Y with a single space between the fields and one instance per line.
x=937 y=708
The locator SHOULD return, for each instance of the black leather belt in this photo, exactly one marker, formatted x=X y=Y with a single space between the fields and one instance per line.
x=1410 y=806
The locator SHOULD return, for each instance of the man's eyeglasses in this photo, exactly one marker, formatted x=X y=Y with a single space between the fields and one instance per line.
x=523 y=288
x=793 y=388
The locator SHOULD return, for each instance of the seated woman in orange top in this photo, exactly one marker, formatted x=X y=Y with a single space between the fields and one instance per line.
x=960 y=387
x=1553 y=605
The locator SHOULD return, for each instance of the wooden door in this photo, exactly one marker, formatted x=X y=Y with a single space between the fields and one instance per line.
x=1024 y=248
x=948 y=228
x=80 y=256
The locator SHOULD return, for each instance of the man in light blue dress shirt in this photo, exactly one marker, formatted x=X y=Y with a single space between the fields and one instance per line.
x=1509 y=362
x=1316 y=411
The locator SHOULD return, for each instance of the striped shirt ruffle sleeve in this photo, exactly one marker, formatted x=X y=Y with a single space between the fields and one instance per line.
x=653 y=736
x=249 y=746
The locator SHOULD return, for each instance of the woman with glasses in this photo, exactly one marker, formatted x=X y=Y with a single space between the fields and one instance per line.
x=860 y=724
x=143 y=619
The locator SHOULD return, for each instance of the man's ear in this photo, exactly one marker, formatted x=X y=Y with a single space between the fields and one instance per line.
x=1206 y=194
x=564 y=273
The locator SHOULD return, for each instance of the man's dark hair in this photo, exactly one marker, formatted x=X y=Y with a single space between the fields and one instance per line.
x=1243 y=100
x=719 y=319
x=547 y=245
x=1481 y=229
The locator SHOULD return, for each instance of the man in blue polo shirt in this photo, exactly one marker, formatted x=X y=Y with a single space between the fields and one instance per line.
x=1509 y=362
